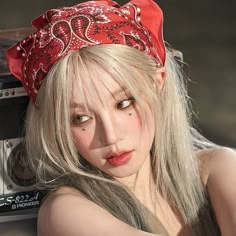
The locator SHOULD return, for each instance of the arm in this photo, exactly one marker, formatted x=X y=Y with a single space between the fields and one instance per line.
x=74 y=215
x=221 y=186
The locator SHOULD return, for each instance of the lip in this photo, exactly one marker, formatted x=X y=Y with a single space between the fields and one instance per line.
x=119 y=158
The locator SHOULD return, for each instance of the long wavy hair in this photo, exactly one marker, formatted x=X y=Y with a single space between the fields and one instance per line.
x=176 y=169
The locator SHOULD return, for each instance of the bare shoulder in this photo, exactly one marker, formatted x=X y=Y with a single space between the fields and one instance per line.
x=57 y=206
x=68 y=212
x=220 y=160
x=215 y=160
x=220 y=179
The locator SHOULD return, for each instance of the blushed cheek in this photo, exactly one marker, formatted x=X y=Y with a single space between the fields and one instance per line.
x=145 y=125
x=133 y=122
x=81 y=139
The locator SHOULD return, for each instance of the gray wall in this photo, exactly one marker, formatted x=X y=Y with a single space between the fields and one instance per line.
x=204 y=31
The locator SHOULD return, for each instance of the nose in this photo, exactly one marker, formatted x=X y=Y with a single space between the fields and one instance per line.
x=109 y=129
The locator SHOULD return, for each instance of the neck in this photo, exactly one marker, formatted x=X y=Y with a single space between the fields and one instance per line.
x=141 y=183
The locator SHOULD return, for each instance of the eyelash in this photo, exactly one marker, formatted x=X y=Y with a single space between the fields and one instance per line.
x=76 y=119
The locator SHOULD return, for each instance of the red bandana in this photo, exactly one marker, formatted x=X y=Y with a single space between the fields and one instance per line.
x=60 y=31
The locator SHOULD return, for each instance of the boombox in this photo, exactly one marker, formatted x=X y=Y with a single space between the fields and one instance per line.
x=18 y=189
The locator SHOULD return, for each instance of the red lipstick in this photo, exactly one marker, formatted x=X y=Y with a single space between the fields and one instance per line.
x=119 y=158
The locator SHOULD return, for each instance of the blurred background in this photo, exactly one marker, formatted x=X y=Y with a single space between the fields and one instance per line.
x=204 y=31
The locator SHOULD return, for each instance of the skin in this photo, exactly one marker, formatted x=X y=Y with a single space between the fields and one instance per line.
x=112 y=124
x=219 y=176
x=107 y=126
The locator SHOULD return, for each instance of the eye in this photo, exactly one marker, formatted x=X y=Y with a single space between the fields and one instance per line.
x=125 y=103
x=79 y=119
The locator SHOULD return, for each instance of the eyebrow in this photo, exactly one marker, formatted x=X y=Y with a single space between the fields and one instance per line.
x=114 y=95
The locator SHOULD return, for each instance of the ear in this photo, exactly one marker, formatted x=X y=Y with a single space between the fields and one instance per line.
x=160 y=77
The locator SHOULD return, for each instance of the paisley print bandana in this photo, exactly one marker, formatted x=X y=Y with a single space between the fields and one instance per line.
x=137 y=24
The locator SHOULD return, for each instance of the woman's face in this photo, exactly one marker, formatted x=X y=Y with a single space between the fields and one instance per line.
x=110 y=134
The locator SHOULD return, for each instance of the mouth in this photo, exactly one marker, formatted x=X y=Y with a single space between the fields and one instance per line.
x=119 y=158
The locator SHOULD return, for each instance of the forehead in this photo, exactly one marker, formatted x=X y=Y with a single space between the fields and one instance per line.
x=100 y=87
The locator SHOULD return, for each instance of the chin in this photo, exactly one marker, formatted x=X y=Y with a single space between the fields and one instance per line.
x=122 y=172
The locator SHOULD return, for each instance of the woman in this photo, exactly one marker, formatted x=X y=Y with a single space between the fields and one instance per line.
x=109 y=129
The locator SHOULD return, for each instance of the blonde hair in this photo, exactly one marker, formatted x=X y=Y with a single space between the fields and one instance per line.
x=175 y=168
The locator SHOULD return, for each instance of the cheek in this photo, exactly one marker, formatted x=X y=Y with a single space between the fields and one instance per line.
x=146 y=127
x=132 y=120
x=82 y=140
x=141 y=126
